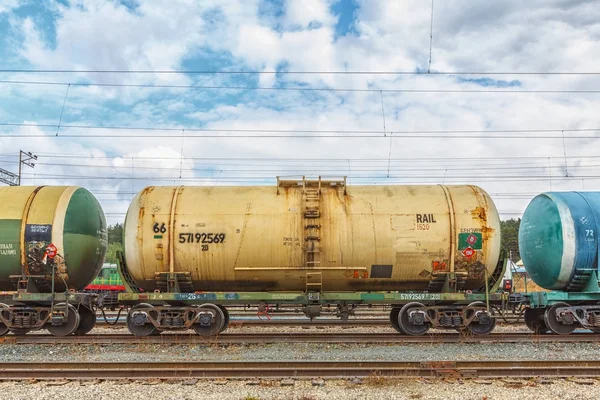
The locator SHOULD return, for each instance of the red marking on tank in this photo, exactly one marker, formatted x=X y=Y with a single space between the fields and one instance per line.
x=468 y=252
x=51 y=251
x=114 y=288
x=472 y=239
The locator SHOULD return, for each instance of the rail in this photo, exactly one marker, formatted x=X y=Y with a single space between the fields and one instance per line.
x=269 y=338
x=298 y=369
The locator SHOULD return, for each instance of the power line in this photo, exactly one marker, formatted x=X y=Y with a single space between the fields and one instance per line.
x=266 y=72
x=484 y=134
x=225 y=168
x=269 y=178
x=287 y=159
x=430 y=38
x=62 y=110
x=307 y=89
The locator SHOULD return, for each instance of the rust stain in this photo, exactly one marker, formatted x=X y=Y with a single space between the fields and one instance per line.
x=247 y=215
x=480 y=213
x=139 y=228
x=487 y=233
x=24 y=220
x=147 y=190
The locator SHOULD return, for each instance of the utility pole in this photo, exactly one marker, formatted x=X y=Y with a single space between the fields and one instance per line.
x=26 y=159
x=12 y=179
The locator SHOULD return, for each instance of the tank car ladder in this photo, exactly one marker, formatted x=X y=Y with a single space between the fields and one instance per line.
x=311 y=198
x=311 y=214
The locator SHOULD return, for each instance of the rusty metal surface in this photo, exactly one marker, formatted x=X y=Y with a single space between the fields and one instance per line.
x=402 y=232
x=299 y=369
x=267 y=338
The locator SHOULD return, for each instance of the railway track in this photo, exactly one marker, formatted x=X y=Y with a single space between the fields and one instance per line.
x=284 y=322
x=298 y=369
x=298 y=322
x=269 y=338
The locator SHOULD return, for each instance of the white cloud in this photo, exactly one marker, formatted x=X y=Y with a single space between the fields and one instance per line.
x=390 y=35
x=301 y=13
x=8 y=5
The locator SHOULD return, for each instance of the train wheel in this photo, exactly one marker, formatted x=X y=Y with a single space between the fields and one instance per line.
x=226 y=314
x=211 y=321
x=87 y=321
x=20 y=331
x=551 y=320
x=394 y=319
x=137 y=320
x=69 y=325
x=485 y=325
x=534 y=319
x=3 y=327
x=414 y=325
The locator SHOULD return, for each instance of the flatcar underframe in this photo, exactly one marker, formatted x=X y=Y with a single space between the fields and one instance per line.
x=411 y=313
x=61 y=314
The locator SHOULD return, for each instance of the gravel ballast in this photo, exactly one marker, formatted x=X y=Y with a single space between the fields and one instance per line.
x=305 y=390
x=300 y=351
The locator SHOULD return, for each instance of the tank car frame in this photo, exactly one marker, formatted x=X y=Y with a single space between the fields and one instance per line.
x=62 y=314
x=562 y=312
x=206 y=313
x=412 y=313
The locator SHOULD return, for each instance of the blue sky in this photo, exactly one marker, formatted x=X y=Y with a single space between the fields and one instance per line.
x=294 y=35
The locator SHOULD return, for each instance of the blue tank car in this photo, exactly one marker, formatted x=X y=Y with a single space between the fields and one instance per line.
x=559 y=246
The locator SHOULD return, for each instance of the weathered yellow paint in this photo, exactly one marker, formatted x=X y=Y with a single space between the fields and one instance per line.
x=58 y=224
x=265 y=236
x=13 y=200
x=43 y=211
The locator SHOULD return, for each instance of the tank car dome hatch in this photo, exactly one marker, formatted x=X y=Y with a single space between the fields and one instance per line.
x=46 y=226
x=284 y=238
x=558 y=240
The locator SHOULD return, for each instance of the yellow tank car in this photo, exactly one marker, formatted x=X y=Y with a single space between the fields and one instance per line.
x=316 y=235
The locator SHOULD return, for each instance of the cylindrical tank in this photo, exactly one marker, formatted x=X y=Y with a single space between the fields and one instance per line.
x=32 y=218
x=320 y=233
x=558 y=239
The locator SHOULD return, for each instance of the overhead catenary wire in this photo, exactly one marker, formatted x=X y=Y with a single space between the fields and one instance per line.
x=287 y=133
x=430 y=38
x=296 y=159
x=326 y=169
x=287 y=88
x=62 y=111
x=286 y=72
x=270 y=178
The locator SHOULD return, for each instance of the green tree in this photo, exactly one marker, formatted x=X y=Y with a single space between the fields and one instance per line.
x=111 y=252
x=115 y=243
x=115 y=233
x=510 y=237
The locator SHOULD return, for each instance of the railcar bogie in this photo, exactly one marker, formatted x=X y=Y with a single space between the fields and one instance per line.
x=61 y=314
x=146 y=319
x=64 y=320
x=562 y=312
